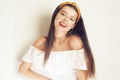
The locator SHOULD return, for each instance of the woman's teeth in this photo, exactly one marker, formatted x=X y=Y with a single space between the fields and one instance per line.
x=63 y=24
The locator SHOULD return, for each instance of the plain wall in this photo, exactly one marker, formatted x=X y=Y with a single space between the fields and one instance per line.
x=22 y=21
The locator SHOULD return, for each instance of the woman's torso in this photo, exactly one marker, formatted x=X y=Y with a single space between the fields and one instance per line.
x=61 y=62
x=60 y=65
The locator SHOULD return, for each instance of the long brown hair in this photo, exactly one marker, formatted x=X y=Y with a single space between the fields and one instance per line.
x=78 y=30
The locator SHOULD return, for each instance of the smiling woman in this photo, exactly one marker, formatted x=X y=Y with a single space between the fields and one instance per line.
x=65 y=19
x=64 y=54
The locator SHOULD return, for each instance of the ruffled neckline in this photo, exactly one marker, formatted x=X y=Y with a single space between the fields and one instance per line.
x=64 y=51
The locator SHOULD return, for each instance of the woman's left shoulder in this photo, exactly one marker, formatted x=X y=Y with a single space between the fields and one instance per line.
x=75 y=42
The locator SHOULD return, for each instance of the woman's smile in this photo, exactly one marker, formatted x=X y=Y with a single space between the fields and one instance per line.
x=62 y=24
x=65 y=19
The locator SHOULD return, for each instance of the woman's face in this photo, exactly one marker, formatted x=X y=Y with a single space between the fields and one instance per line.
x=65 y=19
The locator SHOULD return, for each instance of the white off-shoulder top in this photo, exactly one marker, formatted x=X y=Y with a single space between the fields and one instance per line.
x=61 y=65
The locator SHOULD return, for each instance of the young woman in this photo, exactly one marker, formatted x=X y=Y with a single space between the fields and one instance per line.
x=65 y=53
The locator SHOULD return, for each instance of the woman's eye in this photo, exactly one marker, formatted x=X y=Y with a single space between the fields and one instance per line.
x=71 y=19
x=63 y=14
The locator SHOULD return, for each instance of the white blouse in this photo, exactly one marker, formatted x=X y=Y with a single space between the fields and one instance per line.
x=61 y=65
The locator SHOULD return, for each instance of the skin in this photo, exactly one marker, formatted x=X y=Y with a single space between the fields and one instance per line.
x=67 y=16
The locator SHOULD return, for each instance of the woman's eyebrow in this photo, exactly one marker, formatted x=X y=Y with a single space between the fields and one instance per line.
x=63 y=11
x=67 y=13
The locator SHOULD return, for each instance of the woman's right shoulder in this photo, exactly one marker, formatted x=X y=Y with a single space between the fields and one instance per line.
x=40 y=41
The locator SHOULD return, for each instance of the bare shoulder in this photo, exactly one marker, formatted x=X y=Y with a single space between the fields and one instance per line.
x=75 y=42
x=39 y=42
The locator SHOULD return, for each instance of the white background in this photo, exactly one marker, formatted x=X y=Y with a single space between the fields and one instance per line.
x=22 y=21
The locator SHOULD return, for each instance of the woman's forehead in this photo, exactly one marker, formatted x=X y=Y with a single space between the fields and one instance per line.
x=69 y=10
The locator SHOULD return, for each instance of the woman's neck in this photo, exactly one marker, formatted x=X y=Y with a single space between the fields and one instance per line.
x=60 y=37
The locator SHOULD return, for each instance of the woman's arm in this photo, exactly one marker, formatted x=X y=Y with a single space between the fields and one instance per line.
x=76 y=43
x=25 y=70
x=82 y=74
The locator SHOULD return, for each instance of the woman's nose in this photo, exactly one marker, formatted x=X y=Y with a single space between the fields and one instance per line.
x=65 y=18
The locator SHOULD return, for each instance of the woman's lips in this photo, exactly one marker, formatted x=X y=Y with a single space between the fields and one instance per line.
x=62 y=24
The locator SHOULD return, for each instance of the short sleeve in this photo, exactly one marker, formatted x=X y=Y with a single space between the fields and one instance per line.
x=28 y=55
x=80 y=61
